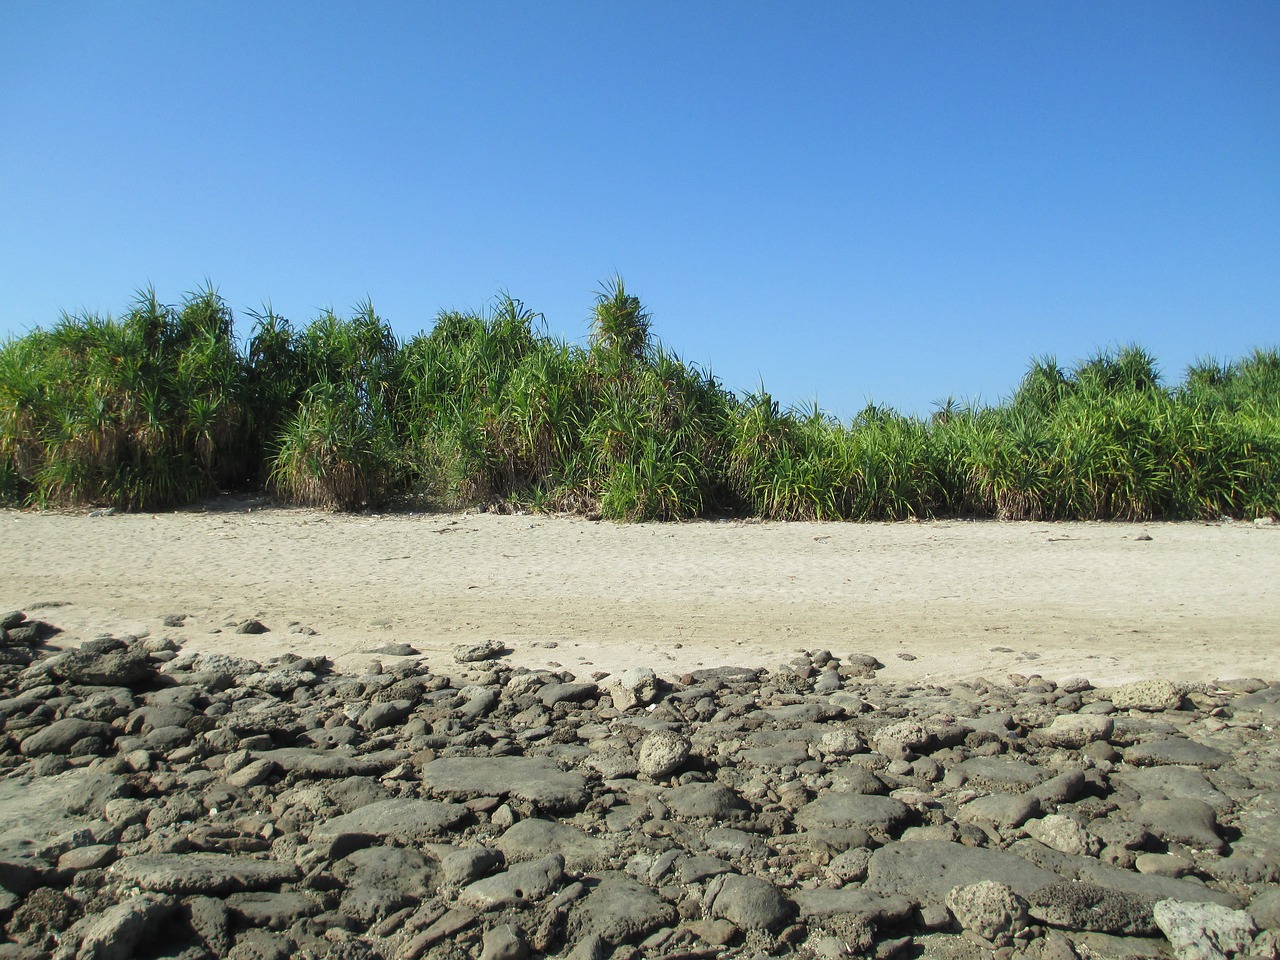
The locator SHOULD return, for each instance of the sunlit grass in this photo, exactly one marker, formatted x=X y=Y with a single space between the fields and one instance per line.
x=163 y=406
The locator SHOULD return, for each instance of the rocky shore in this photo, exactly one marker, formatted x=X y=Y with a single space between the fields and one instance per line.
x=159 y=803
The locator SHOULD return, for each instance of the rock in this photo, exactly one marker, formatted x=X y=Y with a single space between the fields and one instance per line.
x=378 y=716
x=1171 y=783
x=552 y=693
x=117 y=932
x=535 y=779
x=122 y=668
x=207 y=874
x=854 y=903
x=253 y=773
x=408 y=821
x=989 y=909
x=1182 y=821
x=1147 y=695
x=476 y=652
x=251 y=627
x=1071 y=731
x=1175 y=750
x=1265 y=909
x=699 y=801
x=751 y=903
x=503 y=942
x=926 y=870
x=276 y=911
x=1005 y=810
x=62 y=735
x=532 y=838
x=636 y=687
x=1002 y=775
x=1204 y=931
x=304 y=762
x=877 y=815
x=622 y=910
x=1065 y=835
x=1087 y=906
x=662 y=753
x=395 y=650
x=461 y=866
x=521 y=885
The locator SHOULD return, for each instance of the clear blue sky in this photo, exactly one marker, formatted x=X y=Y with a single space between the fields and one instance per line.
x=846 y=200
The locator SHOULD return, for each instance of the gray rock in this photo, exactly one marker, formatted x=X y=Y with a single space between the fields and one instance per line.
x=521 y=885
x=535 y=779
x=622 y=910
x=1169 y=783
x=1175 y=750
x=860 y=905
x=503 y=942
x=552 y=693
x=926 y=870
x=1182 y=821
x=990 y=909
x=462 y=865
x=120 y=668
x=378 y=716
x=1265 y=909
x=1003 y=775
x=1204 y=931
x=276 y=911
x=117 y=932
x=1065 y=835
x=1147 y=695
x=698 y=801
x=1072 y=731
x=636 y=687
x=734 y=844
x=533 y=838
x=1151 y=887
x=209 y=874
x=751 y=903
x=878 y=815
x=1005 y=810
x=409 y=821
x=476 y=652
x=61 y=735
x=662 y=753
x=1087 y=906
x=305 y=762
x=253 y=773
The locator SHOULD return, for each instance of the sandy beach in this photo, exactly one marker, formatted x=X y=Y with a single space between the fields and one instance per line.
x=934 y=601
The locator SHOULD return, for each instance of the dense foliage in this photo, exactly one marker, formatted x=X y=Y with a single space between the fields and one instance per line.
x=162 y=407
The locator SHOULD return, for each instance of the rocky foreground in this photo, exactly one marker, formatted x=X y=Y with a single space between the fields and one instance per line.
x=156 y=803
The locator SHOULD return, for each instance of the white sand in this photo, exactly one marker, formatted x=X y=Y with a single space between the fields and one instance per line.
x=1195 y=602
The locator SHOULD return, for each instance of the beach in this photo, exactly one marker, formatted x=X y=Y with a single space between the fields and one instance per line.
x=935 y=601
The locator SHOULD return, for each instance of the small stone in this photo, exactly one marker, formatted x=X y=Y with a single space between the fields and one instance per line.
x=251 y=626
x=662 y=753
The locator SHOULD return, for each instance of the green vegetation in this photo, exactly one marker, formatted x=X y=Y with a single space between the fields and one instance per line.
x=163 y=407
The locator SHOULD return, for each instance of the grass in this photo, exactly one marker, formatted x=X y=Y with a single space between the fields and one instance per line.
x=163 y=406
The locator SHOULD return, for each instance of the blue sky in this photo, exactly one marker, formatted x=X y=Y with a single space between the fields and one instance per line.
x=844 y=200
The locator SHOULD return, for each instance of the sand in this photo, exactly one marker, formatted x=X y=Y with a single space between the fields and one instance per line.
x=934 y=601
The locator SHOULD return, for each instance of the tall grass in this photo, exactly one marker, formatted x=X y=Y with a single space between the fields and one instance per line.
x=164 y=406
